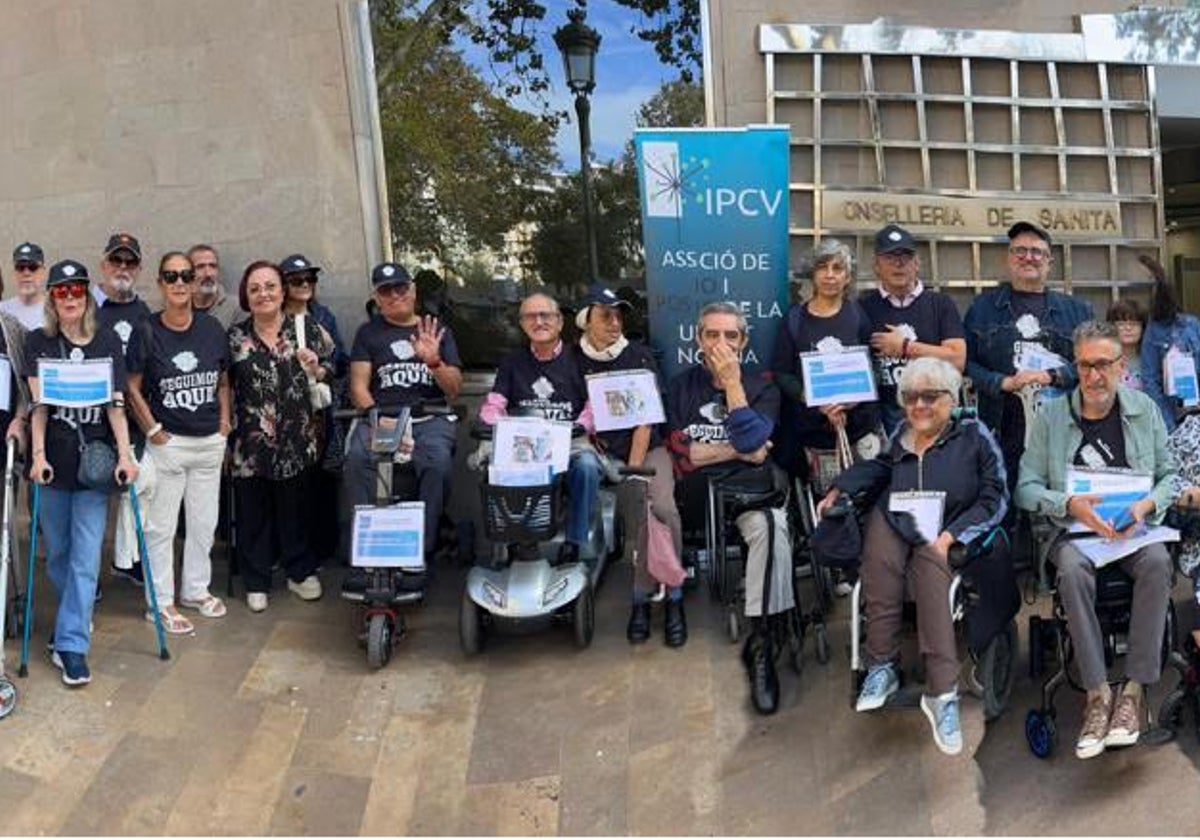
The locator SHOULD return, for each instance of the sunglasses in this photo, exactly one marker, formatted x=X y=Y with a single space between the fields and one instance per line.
x=393 y=289
x=68 y=290
x=26 y=267
x=926 y=398
x=300 y=279
x=124 y=262
x=173 y=277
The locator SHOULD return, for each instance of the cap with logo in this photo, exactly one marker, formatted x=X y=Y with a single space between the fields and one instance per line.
x=389 y=274
x=1028 y=227
x=298 y=264
x=123 y=242
x=894 y=238
x=598 y=295
x=28 y=252
x=67 y=271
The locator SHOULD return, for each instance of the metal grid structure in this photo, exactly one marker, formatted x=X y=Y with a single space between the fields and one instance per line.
x=966 y=126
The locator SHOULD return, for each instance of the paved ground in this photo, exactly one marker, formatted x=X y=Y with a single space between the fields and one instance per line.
x=272 y=723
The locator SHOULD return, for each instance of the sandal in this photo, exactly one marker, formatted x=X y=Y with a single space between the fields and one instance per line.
x=210 y=606
x=172 y=621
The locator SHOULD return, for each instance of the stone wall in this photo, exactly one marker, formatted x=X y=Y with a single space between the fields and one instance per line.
x=226 y=121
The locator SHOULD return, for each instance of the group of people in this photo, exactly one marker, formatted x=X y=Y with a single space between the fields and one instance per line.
x=216 y=385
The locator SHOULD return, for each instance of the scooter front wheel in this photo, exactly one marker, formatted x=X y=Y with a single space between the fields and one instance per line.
x=583 y=614
x=379 y=640
x=470 y=626
x=8 y=697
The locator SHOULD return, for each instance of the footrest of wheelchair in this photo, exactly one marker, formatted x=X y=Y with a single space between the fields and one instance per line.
x=397 y=599
x=906 y=697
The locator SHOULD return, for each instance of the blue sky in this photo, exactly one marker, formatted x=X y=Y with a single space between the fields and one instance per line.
x=627 y=74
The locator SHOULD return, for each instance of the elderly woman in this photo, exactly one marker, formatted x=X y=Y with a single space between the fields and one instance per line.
x=604 y=348
x=179 y=394
x=1184 y=444
x=276 y=434
x=72 y=514
x=947 y=472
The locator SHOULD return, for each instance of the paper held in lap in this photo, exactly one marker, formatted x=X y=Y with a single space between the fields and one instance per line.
x=1102 y=552
x=1118 y=489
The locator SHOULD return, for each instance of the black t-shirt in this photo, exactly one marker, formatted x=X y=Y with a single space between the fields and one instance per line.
x=930 y=319
x=398 y=377
x=636 y=356
x=804 y=332
x=1108 y=449
x=122 y=319
x=553 y=389
x=180 y=372
x=697 y=408
x=62 y=437
x=1028 y=303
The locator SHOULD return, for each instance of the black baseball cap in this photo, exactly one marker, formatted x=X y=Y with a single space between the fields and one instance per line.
x=894 y=238
x=389 y=274
x=298 y=264
x=29 y=252
x=67 y=271
x=1028 y=227
x=123 y=242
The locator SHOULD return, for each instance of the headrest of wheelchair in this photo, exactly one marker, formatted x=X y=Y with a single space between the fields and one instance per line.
x=964 y=412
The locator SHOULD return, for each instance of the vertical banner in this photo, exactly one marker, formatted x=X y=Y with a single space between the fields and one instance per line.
x=715 y=228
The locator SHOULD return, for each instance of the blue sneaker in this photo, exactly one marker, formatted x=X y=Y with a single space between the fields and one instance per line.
x=881 y=682
x=74 y=668
x=942 y=712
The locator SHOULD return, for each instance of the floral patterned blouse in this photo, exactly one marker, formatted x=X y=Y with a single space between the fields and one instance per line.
x=276 y=433
x=1184 y=443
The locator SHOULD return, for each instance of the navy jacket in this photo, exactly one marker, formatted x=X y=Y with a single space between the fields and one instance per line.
x=991 y=331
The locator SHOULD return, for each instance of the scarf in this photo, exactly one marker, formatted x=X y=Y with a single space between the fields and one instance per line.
x=607 y=354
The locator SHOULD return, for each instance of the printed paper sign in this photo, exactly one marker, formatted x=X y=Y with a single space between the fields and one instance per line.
x=926 y=508
x=1117 y=488
x=389 y=537
x=838 y=378
x=1179 y=377
x=75 y=384
x=523 y=442
x=625 y=400
x=5 y=384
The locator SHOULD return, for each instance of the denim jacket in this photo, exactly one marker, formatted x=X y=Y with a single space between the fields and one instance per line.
x=1184 y=333
x=1056 y=437
x=991 y=331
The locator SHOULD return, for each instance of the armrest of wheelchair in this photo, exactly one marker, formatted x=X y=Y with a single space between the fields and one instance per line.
x=959 y=555
x=349 y=414
x=481 y=431
x=646 y=472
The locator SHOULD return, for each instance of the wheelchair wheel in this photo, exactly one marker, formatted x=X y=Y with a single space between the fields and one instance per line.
x=1040 y=733
x=379 y=641
x=1170 y=713
x=996 y=671
x=8 y=697
x=822 y=644
x=470 y=626
x=583 y=617
x=733 y=624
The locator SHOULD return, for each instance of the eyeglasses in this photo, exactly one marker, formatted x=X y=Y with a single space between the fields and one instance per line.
x=533 y=317
x=1034 y=254
x=26 y=267
x=393 y=289
x=173 y=277
x=124 y=262
x=926 y=398
x=898 y=257
x=1102 y=366
x=68 y=290
x=301 y=279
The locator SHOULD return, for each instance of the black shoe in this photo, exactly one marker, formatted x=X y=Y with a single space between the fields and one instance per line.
x=133 y=574
x=568 y=553
x=675 y=624
x=760 y=668
x=638 y=629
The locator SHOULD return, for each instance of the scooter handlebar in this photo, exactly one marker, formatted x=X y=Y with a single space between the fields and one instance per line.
x=646 y=472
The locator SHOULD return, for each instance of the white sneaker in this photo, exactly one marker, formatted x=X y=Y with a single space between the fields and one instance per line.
x=308 y=589
x=256 y=601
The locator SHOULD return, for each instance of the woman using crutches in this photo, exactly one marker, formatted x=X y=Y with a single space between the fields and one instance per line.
x=67 y=443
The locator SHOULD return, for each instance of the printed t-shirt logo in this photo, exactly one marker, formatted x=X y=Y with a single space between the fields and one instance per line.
x=542 y=387
x=402 y=349
x=186 y=361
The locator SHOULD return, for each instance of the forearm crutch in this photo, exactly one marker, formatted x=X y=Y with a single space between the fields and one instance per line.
x=23 y=670
x=148 y=573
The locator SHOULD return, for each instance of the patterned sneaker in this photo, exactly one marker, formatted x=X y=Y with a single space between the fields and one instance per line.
x=942 y=712
x=881 y=683
x=1095 y=726
x=1123 y=729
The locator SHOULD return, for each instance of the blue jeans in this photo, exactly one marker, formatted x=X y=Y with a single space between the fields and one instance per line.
x=583 y=486
x=72 y=525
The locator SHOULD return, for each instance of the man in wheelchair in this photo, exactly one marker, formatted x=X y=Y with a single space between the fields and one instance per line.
x=1098 y=426
x=720 y=427
x=941 y=483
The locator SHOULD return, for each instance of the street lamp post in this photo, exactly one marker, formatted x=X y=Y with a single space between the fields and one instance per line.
x=578 y=44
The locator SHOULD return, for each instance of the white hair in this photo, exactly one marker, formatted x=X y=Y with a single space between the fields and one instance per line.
x=936 y=372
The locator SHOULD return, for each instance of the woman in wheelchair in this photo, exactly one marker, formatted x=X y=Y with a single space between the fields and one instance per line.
x=1184 y=444
x=940 y=483
x=603 y=348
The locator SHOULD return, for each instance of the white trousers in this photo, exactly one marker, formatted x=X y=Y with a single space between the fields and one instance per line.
x=125 y=547
x=188 y=472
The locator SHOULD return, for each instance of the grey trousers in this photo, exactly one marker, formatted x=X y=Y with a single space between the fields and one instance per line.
x=761 y=562
x=1150 y=568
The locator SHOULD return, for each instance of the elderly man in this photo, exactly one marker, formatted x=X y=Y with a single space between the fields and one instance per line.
x=721 y=420
x=908 y=321
x=543 y=379
x=1100 y=425
x=209 y=295
x=400 y=360
x=1014 y=332
x=122 y=311
x=28 y=304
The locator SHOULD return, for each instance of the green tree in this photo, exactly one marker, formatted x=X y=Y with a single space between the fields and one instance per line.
x=460 y=160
